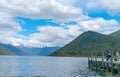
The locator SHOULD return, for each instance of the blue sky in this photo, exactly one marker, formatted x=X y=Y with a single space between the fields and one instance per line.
x=103 y=13
x=30 y=25
x=39 y=23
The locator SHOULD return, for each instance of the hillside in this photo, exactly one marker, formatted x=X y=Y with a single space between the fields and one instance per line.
x=4 y=51
x=85 y=43
x=116 y=34
x=13 y=49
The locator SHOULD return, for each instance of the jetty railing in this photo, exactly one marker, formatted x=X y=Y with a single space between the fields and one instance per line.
x=99 y=62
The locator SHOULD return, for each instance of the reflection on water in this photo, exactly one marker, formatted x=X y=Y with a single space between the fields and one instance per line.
x=44 y=66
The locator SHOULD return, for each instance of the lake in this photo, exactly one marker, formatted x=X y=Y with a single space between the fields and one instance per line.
x=28 y=66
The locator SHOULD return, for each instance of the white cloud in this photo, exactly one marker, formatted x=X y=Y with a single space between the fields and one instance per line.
x=8 y=27
x=100 y=25
x=112 y=6
x=7 y=24
x=48 y=36
x=46 y=9
x=55 y=36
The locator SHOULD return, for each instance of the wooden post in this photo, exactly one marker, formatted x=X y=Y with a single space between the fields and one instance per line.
x=112 y=67
x=103 y=60
x=92 y=59
x=96 y=61
x=88 y=62
x=106 y=66
x=118 y=69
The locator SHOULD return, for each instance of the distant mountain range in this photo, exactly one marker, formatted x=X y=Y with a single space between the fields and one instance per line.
x=88 y=42
x=6 y=49
x=37 y=51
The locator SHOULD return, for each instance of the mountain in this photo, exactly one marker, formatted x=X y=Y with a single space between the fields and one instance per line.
x=48 y=50
x=4 y=51
x=13 y=49
x=37 y=51
x=87 y=42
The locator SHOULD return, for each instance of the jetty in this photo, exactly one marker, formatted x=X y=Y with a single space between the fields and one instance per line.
x=110 y=64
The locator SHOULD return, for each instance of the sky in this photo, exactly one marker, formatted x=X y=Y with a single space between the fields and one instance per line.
x=49 y=23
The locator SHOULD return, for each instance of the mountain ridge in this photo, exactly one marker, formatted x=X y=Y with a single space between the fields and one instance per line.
x=27 y=51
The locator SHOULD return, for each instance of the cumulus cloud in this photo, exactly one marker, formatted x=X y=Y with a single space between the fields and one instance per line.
x=48 y=36
x=8 y=27
x=56 y=36
x=7 y=24
x=112 y=6
x=100 y=25
x=46 y=9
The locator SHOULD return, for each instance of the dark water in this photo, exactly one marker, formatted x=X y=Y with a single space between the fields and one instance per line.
x=45 y=66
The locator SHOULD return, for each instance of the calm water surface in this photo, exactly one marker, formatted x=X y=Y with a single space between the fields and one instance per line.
x=45 y=66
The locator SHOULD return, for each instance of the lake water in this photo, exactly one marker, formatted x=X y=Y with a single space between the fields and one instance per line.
x=28 y=66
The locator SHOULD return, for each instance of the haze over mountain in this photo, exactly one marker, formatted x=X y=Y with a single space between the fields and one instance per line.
x=90 y=42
